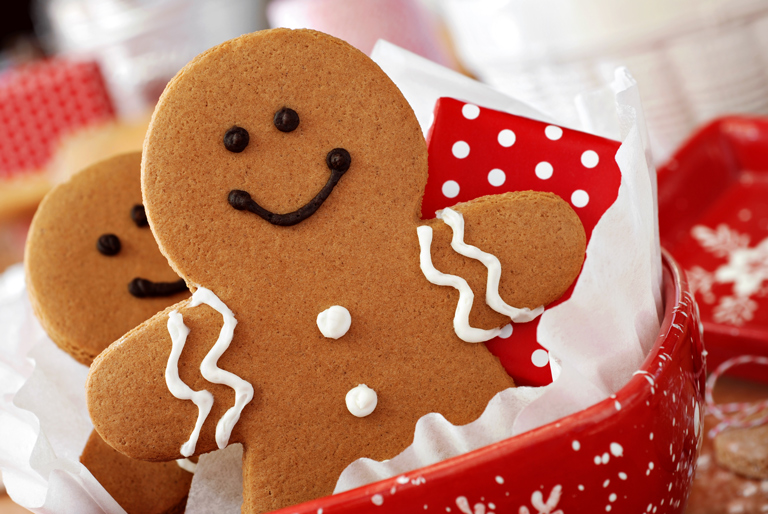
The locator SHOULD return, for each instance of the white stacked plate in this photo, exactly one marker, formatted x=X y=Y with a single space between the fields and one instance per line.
x=694 y=60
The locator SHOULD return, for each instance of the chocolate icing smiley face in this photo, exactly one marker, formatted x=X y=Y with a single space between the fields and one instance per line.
x=94 y=271
x=282 y=177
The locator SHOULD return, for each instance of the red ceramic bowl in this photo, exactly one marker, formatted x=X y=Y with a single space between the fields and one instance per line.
x=632 y=453
x=713 y=217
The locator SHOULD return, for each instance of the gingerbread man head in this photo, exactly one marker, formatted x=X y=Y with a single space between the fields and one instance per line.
x=93 y=268
x=94 y=272
x=282 y=176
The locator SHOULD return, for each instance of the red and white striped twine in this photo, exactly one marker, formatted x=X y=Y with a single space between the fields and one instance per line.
x=737 y=414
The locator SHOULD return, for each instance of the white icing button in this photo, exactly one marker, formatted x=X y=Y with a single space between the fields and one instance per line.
x=361 y=400
x=334 y=322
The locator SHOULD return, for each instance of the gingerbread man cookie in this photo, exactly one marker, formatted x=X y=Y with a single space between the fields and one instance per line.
x=94 y=272
x=282 y=177
x=93 y=268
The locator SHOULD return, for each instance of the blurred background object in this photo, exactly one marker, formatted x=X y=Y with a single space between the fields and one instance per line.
x=406 y=23
x=79 y=80
x=694 y=60
x=141 y=44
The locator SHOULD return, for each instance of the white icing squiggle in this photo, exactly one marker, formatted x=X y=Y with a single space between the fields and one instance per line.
x=203 y=399
x=466 y=296
x=187 y=465
x=455 y=220
x=212 y=373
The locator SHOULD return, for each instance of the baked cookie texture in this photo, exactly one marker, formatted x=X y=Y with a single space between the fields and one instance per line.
x=358 y=249
x=81 y=296
x=744 y=451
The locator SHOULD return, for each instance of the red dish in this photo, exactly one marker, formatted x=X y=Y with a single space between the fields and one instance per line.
x=713 y=217
x=635 y=452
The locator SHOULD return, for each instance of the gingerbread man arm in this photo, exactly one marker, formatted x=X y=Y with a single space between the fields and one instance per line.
x=129 y=399
x=537 y=237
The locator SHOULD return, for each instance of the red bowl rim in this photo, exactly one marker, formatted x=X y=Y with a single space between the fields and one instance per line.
x=678 y=314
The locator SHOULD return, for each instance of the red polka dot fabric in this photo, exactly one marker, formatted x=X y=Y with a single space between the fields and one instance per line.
x=475 y=151
x=40 y=103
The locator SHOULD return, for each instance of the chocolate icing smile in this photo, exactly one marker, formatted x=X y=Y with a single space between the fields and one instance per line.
x=143 y=288
x=338 y=161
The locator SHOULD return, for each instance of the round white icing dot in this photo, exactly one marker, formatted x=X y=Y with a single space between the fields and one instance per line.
x=589 y=159
x=334 y=321
x=470 y=111
x=450 y=189
x=460 y=149
x=552 y=132
x=506 y=138
x=576 y=445
x=544 y=170
x=617 y=450
x=506 y=331
x=540 y=358
x=361 y=400
x=499 y=479
x=377 y=499
x=745 y=215
x=496 y=177
x=580 y=198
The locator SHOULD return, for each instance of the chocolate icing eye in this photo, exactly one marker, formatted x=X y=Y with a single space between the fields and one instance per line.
x=108 y=244
x=338 y=159
x=286 y=120
x=139 y=216
x=236 y=139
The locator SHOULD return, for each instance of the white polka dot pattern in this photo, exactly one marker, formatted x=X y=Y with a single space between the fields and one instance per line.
x=540 y=358
x=590 y=159
x=544 y=170
x=580 y=198
x=460 y=149
x=553 y=133
x=470 y=111
x=506 y=138
x=497 y=177
x=451 y=189
x=476 y=151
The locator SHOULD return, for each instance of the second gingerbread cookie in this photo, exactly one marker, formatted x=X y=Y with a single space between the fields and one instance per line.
x=282 y=176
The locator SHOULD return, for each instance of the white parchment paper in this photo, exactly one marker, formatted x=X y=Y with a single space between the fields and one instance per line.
x=44 y=423
x=600 y=335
